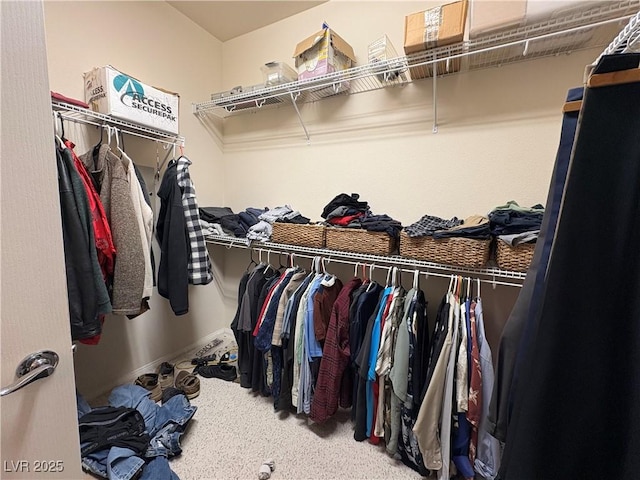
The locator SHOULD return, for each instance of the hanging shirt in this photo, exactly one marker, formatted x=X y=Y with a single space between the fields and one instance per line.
x=199 y=266
x=289 y=290
x=335 y=357
x=475 y=390
x=488 y=453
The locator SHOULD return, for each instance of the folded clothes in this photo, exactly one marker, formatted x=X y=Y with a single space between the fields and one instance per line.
x=275 y=213
x=299 y=219
x=261 y=231
x=213 y=229
x=519 y=238
x=344 y=221
x=429 y=224
x=345 y=200
x=381 y=223
x=342 y=211
x=512 y=218
x=214 y=214
x=475 y=227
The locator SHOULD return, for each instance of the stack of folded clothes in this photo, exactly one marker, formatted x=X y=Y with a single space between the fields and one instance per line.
x=475 y=227
x=429 y=224
x=229 y=223
x=348 y=211
x=514 y=224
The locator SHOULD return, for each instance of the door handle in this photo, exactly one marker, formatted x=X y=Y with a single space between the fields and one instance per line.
x=37 y=365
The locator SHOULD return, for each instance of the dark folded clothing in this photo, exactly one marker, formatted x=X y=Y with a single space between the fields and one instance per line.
x=299 y=219
x=342 y=211
x=475 y=232
x=505 y=222
x=233 y=225
x=345 y=200
x=107 y=427
x=381 y=223
x=214 y=214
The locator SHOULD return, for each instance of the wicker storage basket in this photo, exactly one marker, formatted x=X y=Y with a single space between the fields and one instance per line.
x=360 y=241
x=516 y=258
x=464 y=252
x=305 y=235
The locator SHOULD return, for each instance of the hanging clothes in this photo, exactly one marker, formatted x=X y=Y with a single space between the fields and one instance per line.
x=144 y=217
x=583 y=352
x=85 y=300
x=525 y=311
x=408 y=446
x=335 y=358
x=173 y=276
x=487 y=460
x=129 y=268
x=199 y=264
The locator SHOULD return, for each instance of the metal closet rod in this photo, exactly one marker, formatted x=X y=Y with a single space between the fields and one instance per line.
x=177 y=142
x=427 y=273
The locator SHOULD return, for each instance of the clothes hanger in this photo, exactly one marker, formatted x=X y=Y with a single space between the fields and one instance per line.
x=468 y=287
x=355 y=269
x=252 y=262
x=388 y=282
x=371 y=283
x=416 y=279
x=96 y=149
x=478 y=289
x=56 y=132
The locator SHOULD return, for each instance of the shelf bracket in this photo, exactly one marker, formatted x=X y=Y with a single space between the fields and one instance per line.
x=295 y=105
x=435 y=96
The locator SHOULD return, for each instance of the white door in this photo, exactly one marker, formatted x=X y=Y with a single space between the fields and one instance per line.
x=39 y=421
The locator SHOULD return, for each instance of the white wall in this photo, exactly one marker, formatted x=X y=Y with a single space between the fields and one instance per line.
x=498 y=134
x=155 y=43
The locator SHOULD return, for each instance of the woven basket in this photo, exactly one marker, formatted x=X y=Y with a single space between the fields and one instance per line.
x=298 y=234
x=360 y=241
x=463 y=252
x=516 y=258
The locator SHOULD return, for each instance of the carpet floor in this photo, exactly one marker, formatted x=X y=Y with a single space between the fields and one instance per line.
x=234 y=431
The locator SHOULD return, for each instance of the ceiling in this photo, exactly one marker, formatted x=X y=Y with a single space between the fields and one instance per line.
x=229 y=19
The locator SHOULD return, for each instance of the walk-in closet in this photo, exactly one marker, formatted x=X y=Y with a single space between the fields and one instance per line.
x=320 y=239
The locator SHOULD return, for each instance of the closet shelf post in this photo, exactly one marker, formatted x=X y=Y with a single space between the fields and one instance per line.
x=295 y=105
x=435 y=95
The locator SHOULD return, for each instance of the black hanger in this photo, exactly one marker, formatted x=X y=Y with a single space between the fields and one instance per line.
x=252 y=262
x=96 y=149
x=121 y=139
x=61 y=127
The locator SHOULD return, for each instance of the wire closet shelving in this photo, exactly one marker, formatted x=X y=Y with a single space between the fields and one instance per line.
x=74 y=113
x=573 y=31
x=494 y=276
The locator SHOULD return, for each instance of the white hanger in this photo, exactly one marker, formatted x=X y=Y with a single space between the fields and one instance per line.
x=416 y=278
x=468 y=287
x=478 y=291
x=355 y=269
x=388 y=284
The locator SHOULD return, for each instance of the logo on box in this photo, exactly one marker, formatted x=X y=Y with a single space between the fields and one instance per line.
x=132 y=95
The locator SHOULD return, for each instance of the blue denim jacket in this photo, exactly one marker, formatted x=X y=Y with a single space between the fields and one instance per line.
x=164 y=424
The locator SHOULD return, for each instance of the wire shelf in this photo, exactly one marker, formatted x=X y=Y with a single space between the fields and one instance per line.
x=77 y=114
x=573 y=31
x=489 y=274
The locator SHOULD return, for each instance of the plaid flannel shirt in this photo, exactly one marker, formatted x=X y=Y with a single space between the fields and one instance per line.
x=199 y=265
x=428 y=224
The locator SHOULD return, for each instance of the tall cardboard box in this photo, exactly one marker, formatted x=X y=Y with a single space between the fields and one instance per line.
x=114 y=93
x=322 y=53
x=435 y=27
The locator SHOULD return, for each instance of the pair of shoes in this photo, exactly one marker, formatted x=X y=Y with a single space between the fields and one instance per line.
x=149 y=381
x=188 y=383
x=224 y=372
x=165 y=375
x=185 y=365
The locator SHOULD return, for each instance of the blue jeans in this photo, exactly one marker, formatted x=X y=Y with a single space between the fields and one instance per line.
x=165 y=425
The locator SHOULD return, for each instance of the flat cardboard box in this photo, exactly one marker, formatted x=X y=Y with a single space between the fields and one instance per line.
x=322 y=53
x=435 y=27
x=114 y=93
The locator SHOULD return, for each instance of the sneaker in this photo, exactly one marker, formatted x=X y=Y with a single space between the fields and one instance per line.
x=149 y=381
x=222 y=371
x=165 y=375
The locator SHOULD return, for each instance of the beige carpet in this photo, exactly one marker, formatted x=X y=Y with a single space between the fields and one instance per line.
x=234 y=431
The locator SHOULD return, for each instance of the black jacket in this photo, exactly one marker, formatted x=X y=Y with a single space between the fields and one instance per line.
x=171 y=233
x=78 y=244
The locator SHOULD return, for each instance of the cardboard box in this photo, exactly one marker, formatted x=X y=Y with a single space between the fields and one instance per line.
x=112 y=92
x=436 y=27
x=322 y=53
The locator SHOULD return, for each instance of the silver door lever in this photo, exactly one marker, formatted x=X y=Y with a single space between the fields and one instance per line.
x=35 y=366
